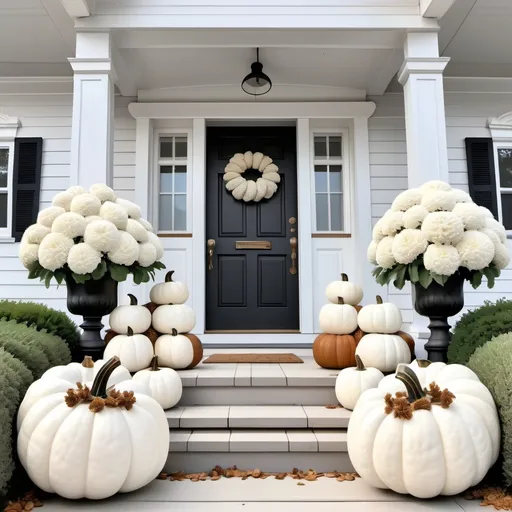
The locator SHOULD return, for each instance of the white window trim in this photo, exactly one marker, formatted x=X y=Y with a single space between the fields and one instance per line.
x=499 y=189
x=345 y=160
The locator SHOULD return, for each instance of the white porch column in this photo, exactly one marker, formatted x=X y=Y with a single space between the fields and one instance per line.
x=422 y=78
x=93 y=110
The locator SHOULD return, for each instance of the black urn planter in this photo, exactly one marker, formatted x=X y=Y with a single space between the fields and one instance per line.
x=92 y=300
x=439 y=303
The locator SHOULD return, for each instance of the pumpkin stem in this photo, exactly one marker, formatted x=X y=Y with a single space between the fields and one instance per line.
x=360 y=367
x=168 y=276
x=133 y=300
x=344 y=277
x=341 y=301
x=423 y=363
x=88 y=362
x=379 y=299
x=99 y=385
x=411 y=382
x=154 y=364
x=174 y=332
x=130 y=331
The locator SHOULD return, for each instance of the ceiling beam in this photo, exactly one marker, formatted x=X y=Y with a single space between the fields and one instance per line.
x=77 y=8
x=435 y=8
x=125 y=82
x=62 y=22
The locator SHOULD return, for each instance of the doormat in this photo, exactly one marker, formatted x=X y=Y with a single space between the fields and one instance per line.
x=253 y=358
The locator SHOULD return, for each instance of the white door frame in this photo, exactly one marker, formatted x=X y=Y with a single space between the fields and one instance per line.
x=300 y=113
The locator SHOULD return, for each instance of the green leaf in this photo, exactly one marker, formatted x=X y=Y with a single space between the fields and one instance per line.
x=138 y=275
x=48 y=279
x=99 y=271
x=439 y=279
x=399 y=282
x=159 y=265
x=425 y=278
x=81 y=278
x=34 y=272
x=118 y=273
x=59 y=275
x=414 y=274
x=489 y=274
x=476 y=279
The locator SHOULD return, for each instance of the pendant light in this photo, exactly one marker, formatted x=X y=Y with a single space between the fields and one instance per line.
x=256 y=83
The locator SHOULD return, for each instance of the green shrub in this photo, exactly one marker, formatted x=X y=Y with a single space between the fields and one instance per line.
x=493 y=364
x=477 y=327
x=6 y=459
x=41 y=317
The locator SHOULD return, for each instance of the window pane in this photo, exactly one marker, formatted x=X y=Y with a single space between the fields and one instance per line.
x=335 y=178
x=166 y=178
x=335 y=147
x=180 y=213
x=3 y=210
x=320 y=147
x=180 y=178
x=320 y=178
x=322 y=217
x=336 y=212
x=4 y=166
x=166 y=147
x=181 y=147
x=165 y=213
x=506 y=209
x=505 y=167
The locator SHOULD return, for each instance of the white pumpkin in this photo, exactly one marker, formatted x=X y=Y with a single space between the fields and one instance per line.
x=178 y=351
x=179 y=317
x=164 y=384
x=74 y=445
x=425 y=443
x=61 y=378
x=352 y=293
x=338 y=318
x=351 y=383
x=383 y=317
x=135 y=316
x=169 y=292
x=383 y=351
x=134 y=350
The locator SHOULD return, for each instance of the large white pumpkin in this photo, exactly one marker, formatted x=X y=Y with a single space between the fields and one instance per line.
x=93 y=444
x=179 y=317
x=338 y=318
x=135 y=316
x=352 y=293
x=164 y=384
x=383 y=317
x=351 y=383
x=383 y=351
x=424 y=444
x=169 y=292
x=134 y=350
x=179 y=351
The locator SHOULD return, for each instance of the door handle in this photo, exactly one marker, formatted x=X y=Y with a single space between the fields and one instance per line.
x=211 y=248
x=293 y=246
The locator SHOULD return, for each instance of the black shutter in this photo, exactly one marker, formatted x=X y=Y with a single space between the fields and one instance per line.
x=481 y=173
x=26 y=184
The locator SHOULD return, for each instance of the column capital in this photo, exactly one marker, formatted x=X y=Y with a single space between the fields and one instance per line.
x=93 y=66
x=422 y=66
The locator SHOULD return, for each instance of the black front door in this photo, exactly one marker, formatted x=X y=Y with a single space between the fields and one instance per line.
x=251 y=289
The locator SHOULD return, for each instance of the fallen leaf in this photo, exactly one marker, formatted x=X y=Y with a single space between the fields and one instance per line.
x=301 y=483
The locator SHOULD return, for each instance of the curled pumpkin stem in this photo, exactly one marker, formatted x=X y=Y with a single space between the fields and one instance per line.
x=124 y=399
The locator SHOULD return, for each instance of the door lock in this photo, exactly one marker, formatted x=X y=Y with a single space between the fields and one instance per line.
x=211 y=248
x=293 y=246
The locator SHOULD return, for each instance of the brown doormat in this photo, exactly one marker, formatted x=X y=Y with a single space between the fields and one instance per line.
x=253 y=358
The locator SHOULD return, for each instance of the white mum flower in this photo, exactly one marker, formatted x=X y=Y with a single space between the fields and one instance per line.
x=414 y=216
x=434 y=185
x=48 y=215
x=377 y=234
x=392 y=223
x=85 y=204
x=495 y=239
x=54 y=250
x=115 y=213
x=407 y=199
x=92 y=218
x=137 y=230
x=69 y=224
x=147 y=254
x=63 y=199
x=83 y=259
x=147 y=225
x=101 y=235
x=497 y=227
x=132 y=209
x=34 y=234
x=76 y=190
x=438 y=200
x=442 y=259
x=470 y=214
x=126 y=251
x=486 y=213
x=461 y=196
x=408 y=245
x=501 y=256
x=384 y=256
x=371 y=253
x=28 y=254
x=103 y=192
x=443 y=228
x=476 y=250
x=155 y=240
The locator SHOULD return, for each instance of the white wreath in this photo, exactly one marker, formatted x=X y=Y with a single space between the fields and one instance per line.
x=248 y=190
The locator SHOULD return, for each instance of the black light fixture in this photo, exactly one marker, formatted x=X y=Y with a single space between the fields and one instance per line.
x=257 y=83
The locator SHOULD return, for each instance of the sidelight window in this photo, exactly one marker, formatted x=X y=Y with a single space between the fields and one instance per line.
x=6 y=158
x=504 y=184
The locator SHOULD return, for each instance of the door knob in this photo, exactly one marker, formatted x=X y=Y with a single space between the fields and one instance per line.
x=293 y=246
x=211 y=248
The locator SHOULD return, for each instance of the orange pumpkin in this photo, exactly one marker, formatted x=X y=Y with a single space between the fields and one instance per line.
x=410 y=342
x=109 y=335
x=335 y=351
x=151 y=306
x=198 y=350
x=358 y=334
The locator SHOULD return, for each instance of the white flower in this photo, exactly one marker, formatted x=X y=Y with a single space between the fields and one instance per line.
x=443 y=228
x=83 y=259
x=63 y=199
x=85 y=205
x=392 y=223
x=497 y=227
x=103 y=192
x=69 y=224
x=486 y=213
x=155 y=240
x=147 y=225
x=470 y=214
x=384 y=256
x=28 y=254
x=132 y=209
x=101 y=235
x=92 y=218
x=495 y=239
x=501 y=256
x=377 y=234
x=54 y=250
x=76 y=190
x=438 y=200
x=407 y=199
x=48 y=215
x=476 y=250
x=461 y=196
x=408 y=245
x=434 y=185
x=34 y=234
x=442 y=259
x=414 y=216
x=147 y=254
x=126 y=251
x=371 y=253
x=115 y=213
x=137 y=230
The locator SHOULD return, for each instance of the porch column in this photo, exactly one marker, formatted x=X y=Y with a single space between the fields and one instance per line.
x=422 y=78
x=93 y=110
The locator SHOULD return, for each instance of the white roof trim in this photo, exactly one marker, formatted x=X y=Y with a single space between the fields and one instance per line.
x=501 y=127
x=8 y=127
x=435 y=8
x=77 y=8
